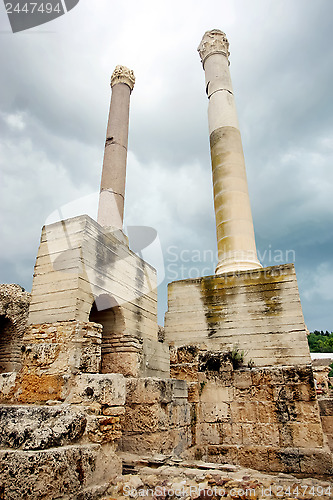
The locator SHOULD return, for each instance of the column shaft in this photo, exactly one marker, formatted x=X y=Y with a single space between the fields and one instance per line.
x=112 y=192
x=234 y=225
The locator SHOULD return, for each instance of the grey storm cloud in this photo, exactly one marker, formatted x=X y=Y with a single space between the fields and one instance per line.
x=54 y=103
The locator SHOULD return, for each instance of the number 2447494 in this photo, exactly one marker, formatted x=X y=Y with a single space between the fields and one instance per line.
x=31 y=7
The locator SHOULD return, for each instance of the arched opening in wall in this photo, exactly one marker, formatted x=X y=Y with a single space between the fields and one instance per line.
x=106 y=311
x=10 y=346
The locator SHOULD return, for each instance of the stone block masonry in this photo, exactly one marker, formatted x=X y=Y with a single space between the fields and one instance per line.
x=258 y=311
x=157 y=417
x=14 y=309
x=70 y=444
x=79 y=262
x=86 y=273
x=326 y=415
x=263 y=418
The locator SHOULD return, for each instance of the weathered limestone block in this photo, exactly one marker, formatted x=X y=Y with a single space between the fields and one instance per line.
x=7 y=386
x=31 y=388
x=321 y=378
x=193 y=392
x=255 y=457
x=175 y=442
x=326 y=416
x=148 y=390
x=299 y=460
x=263 y=434
x=298 y=375
x=145 y=418
x=231 y=433
x=271 y=458
x=179 y=415
x=63 y=347
x=214 y=392
x=181 y=440
x=209 y=434
x=39 y=427
x=82 y=471
x=103 y=429
x=295 y=392
x=220 y=454
x=259 y=311
x=155 y=359
x=259 y=393
x=179 y=390
x=306 y=435
x=313 y=460
x=149 y=444
x=114 y=411
x=268 y=376
x=188 y=372
x=244 y=411
x=220 y=434
x=214 y=412
x=104 y=389
x=266 y=412
x=296 y=411
x=186 y=354
x=126 y=363
x=326 y=407
x=216 y=365
x=242 y=379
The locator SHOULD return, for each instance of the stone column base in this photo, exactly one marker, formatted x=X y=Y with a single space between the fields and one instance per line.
x=258 y=312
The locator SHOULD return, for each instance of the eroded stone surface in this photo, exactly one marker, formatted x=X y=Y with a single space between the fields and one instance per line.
x=259 y=311
x=14 y=308
x=39 y=427
x=70 y=472
x=105 y=389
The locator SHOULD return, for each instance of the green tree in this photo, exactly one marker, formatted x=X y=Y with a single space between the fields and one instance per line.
x=320 y=341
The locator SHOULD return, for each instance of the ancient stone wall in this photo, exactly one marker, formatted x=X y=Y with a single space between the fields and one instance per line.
x=69 y=443
x=157 y=417
x=14 y=308
x=265 y=418
x=326 y=415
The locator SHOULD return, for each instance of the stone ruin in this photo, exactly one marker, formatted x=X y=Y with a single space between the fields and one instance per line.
x=88 y=378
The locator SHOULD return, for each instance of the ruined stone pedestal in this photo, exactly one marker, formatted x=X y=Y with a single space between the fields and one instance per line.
x=85 y=273
x=239 y=340
x=257 y=311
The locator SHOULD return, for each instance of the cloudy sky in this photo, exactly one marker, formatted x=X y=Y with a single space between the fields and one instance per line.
x=54 y=100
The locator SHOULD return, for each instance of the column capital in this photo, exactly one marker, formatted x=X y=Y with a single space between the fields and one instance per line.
x=122 y=74
x=213 y=42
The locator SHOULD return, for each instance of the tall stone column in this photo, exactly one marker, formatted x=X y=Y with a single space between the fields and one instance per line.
x=112 y=192
x=234 y=225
